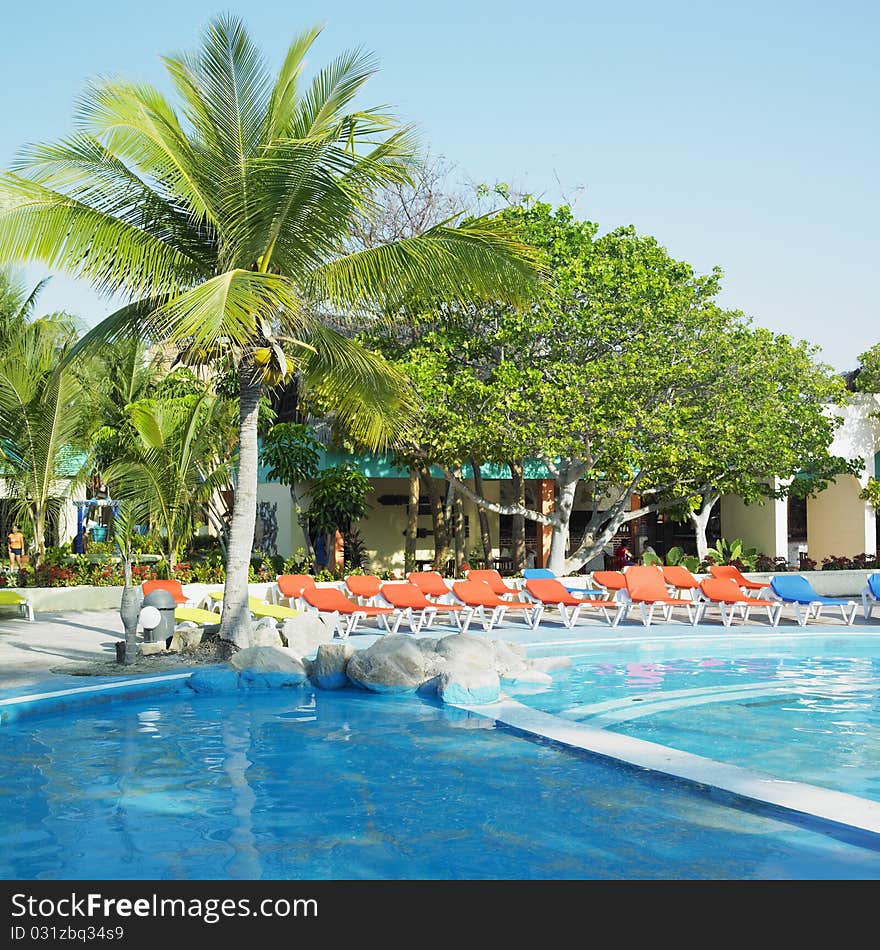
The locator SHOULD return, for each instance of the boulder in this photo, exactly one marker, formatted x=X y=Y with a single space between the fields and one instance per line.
x=526 y=677
x=509 y=657
x=305 y=633
x=266 y=636
x=327 y=670
x=213 y=681
x=467 y=649
x=253 y=679
x=468 y=685
x=394 y=664
x=186 y=639
x=149 y=649
x=267 y=660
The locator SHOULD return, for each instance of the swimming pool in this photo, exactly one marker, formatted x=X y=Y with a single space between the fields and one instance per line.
x=289 y=784
x=802 y=709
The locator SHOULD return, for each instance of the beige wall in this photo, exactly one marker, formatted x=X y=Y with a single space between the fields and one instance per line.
x=764 y=527
x=280 y=495
x=839 y=522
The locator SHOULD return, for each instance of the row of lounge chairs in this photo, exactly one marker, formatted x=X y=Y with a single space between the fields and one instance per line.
x=487 y=597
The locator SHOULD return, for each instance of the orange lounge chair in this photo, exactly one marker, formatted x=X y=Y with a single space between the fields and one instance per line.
x=679 y=579
x=726 y=595
x=364 y=587
x=481 y=597
x=418 y=610
x=734 y=574
x=495 y=582
x=551 y=593
x=431 y=584
x=289 y=587
x=173 y=587
x=609 y=580
x=645 y=586
x=331 y=600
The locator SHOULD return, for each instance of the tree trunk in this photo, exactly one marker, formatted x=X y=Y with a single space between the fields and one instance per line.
x=412 y=522
x=700 y=521
x=485 y=536
x=458 y=528
x=441 y=526
x=235 y=625
x=518 y=530
x=559 y=539
x=301 y=521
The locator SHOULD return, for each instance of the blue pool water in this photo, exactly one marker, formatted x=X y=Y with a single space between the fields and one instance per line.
x=804 y=710
x=300 y=784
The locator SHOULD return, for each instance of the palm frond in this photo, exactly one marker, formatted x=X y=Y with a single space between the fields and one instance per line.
x=284 y=96
x=37 y=223
x=478 y=261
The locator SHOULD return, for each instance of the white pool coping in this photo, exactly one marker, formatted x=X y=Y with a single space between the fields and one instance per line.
x=827 y=805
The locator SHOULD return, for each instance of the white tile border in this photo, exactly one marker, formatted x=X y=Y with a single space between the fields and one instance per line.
x=838 y=808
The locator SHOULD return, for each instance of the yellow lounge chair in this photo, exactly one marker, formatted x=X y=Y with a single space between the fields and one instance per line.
x=275 y=612
x=196 y=617
x=11 y=598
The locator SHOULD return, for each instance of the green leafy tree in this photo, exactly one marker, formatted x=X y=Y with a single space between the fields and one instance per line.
x=338 y=499
x=226 y=220
x=175 y=462
x=42 y=425
x=625 y=378
x=866 y=378
x=290 y=453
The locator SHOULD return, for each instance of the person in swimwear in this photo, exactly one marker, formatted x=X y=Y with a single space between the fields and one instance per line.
x=16 y=547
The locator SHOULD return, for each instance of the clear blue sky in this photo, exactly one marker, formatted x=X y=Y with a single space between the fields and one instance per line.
x=743 y=135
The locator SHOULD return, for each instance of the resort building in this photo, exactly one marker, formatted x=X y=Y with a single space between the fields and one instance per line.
x=836 y=522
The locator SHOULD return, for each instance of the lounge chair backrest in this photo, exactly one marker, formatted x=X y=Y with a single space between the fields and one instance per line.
x=476 y=594
x=548 y=590
x=793 y=587
x=327 y=598
x=645 y=582
x=173 y=587
x=291 y=585
x=537 y=573
x=680 y=577
x=874 y=584
x=405 y=595
x=727 y=570
x=722 y=590
x=490 y=577
x=363 y=585
x=428 y=582
x=611 y=580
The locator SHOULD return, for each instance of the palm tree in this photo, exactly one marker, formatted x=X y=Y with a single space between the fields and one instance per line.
x=176 y=461
x=41 y=424
x=226 y=223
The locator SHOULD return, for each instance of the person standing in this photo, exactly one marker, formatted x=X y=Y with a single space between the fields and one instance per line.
x=16 y=547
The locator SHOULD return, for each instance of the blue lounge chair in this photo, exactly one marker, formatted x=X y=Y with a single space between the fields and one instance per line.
x=798 y=591
x=871 y=594
x=544 y=573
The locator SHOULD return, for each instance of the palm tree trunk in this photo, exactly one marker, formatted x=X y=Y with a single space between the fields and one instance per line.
x=485 y=536
x=412 y=522
x=235 y=625
x=441 y=526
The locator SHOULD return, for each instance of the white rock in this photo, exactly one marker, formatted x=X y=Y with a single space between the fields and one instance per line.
x=327 y=670
x=266 y=637
x=397 y=663
x=306 y=632
x=267 y=660
x=468 y=684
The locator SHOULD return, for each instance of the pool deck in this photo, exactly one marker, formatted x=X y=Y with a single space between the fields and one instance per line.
x=57 y=643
